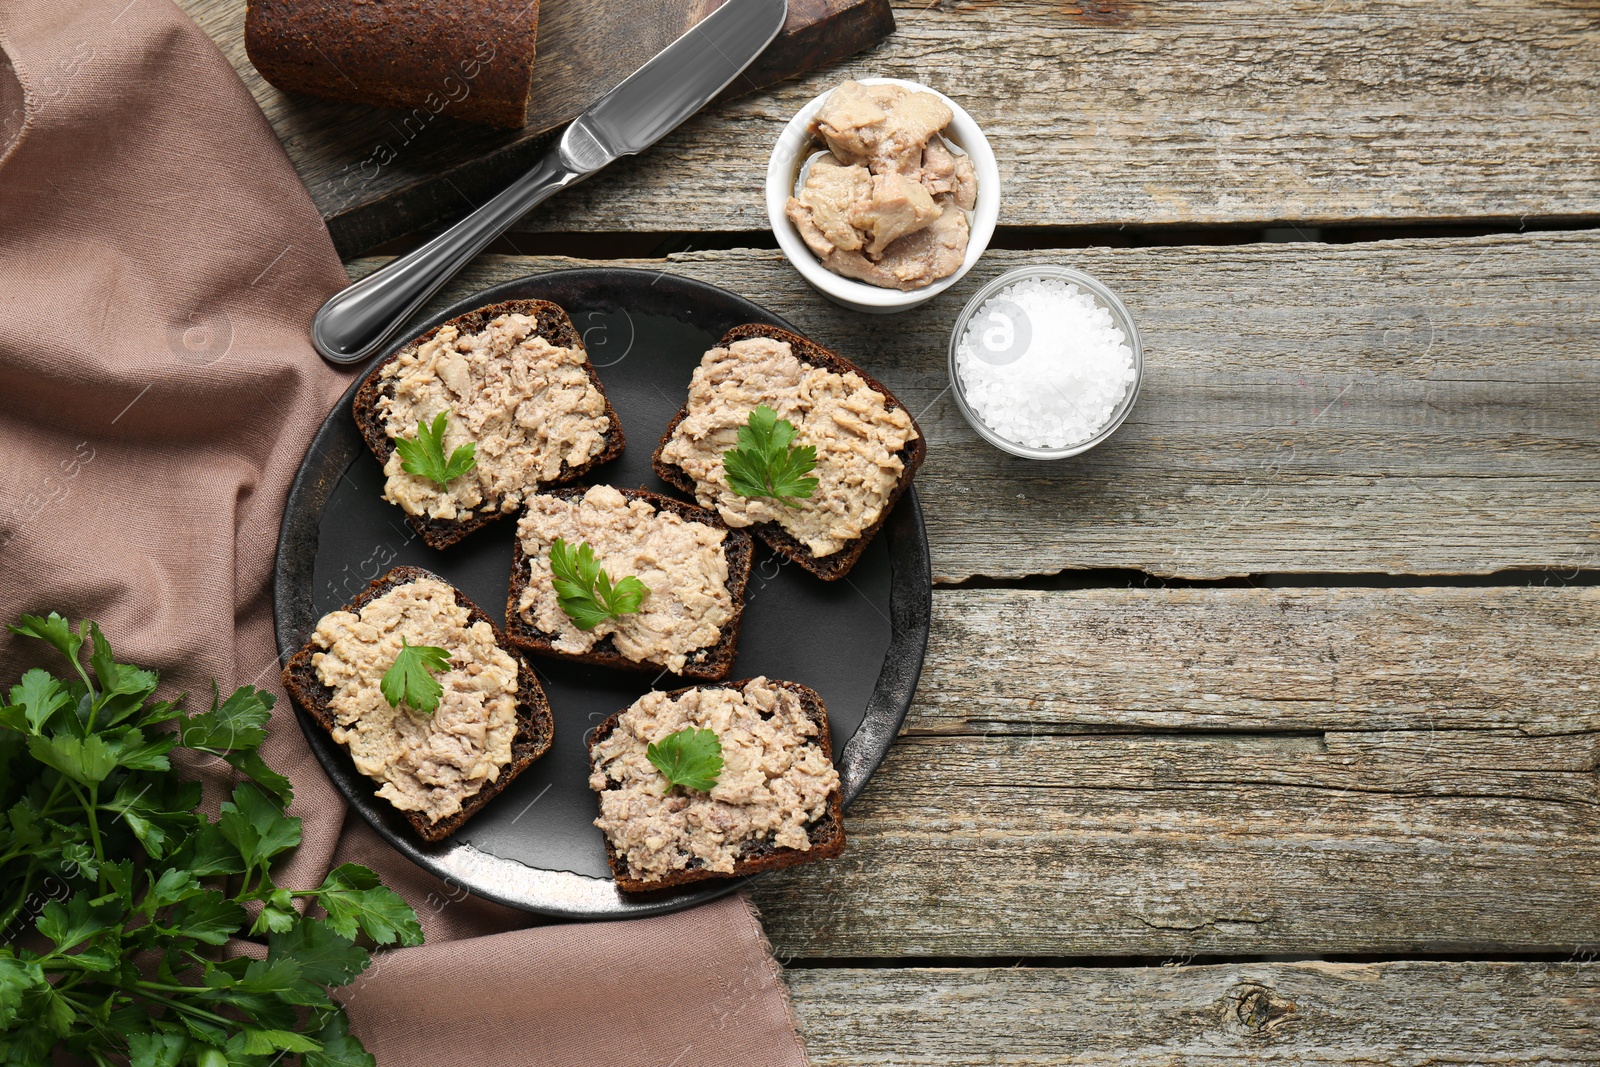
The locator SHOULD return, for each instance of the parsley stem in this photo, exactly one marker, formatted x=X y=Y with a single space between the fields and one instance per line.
x=94 y=834
x=55 y=792
x=64 y=965
x=166 y=987
x=24 y=891
x=83 y=1009
x=178 y=1005
x=91 y=804
x=11 y=913
x=77 y=665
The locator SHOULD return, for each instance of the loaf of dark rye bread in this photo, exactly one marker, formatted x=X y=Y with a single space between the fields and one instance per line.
x=535 y=723
x=471 y=59
x=555 y=327
x=711 y=663
x=830 y=567
x=825 y=833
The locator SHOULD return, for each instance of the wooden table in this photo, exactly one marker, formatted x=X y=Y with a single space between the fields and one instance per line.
x=1268 y=731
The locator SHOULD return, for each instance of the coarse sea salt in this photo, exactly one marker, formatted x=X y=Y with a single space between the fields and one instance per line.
x=1043 y=364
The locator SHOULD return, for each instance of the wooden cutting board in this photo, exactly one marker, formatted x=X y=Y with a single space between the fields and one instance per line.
x=377 y=173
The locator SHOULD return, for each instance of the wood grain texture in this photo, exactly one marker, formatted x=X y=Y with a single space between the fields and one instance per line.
x=1411 y=407
x=1394 y=809
x=1394 y=1014
x=1014 y=661
x=1231 y=111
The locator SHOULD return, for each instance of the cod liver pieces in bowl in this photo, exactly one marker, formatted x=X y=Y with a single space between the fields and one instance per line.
x=882 y=193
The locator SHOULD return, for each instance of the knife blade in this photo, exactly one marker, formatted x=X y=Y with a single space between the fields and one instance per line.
x=674 y=84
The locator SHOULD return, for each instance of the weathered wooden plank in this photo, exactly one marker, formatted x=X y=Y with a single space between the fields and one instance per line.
x=1416 y=407
x=1011 y=661
x=1392 y=811
x=1395 y=1014
x=1234 y=111
x=1383 y=842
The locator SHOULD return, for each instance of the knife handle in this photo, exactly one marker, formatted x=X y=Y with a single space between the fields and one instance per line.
x=356 y=321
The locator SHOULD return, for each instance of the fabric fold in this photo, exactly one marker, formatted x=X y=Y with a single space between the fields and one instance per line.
x=160 y=262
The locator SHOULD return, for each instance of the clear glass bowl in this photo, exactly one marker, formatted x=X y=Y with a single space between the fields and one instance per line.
x=1106 y=299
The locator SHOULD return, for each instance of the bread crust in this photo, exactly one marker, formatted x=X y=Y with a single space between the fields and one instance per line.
x=535 y=722
x=825 y=833
x=711 y=663
x=555 y=327
x=835 y=566
x=472 y=61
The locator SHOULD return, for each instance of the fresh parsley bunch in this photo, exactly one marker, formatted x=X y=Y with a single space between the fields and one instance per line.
x=118 y=895
x=585 y=591
x=767 y=463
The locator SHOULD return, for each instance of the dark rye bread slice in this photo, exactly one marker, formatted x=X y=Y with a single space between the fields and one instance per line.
x=825 y=833
x=555 y=327
x=711 y=663
x=469 y=59
x=535 y=723
x=832 y=567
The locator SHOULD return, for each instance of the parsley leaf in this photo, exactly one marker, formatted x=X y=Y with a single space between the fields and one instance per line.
x=339 y=1049
x=233 y=729
x=238 y=722
x=254 y=824
x=249 y=761
x=156 y=1048
x=252 y=1042
x=355 y=899
x=17 y=978
x=423 y=455
x=86 y=760
x=585 y=592
x=159 y=810
x=40 y=697
x=323 y=955
x=410 y=679
x=54 y=629
x=767 y=463
x=71 y=925
x=691 y=758
x=208 y=917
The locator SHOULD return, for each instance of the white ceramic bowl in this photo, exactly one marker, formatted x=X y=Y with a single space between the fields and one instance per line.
x=784 y=166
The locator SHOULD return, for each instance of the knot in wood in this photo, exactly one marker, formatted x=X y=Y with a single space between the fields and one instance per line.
x=1260 y=1010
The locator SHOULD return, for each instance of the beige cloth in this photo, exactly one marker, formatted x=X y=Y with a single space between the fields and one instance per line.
x=159 y=263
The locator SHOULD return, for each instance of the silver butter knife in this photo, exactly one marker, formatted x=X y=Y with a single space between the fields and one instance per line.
x=678 y=81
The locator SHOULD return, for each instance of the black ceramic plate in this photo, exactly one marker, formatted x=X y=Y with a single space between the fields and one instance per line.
x=858 y=641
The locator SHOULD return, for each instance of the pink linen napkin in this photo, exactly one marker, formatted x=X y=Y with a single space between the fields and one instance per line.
x=159 y=264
